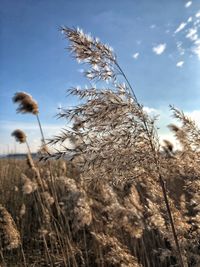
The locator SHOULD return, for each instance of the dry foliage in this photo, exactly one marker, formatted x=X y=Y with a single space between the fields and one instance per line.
x=104 y=206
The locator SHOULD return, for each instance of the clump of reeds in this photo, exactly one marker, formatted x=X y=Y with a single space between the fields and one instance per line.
x=75 y=203
x=29 y=186
x=111 y=133
x=105 y=206
x=9 y=235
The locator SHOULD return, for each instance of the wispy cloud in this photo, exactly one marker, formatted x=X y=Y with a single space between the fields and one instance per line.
x=151 y=111
x=180 y=48
x=180 y=27
x=136 y=55
x=159 y=49
x=192 y=34
x=196 y=50
x=180 y=64
x=188 y=4
x=194 y=115
x=197 y=14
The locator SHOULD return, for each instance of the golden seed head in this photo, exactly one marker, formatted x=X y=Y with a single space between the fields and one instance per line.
x=173 y=128
x=168 y=145
x=10 y=237
x=26 y=103
x=19 y=136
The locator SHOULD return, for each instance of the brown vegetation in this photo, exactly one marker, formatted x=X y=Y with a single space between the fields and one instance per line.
x=121 y=200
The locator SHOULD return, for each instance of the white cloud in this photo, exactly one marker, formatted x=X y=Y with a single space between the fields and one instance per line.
x=192 y=34
x=181 y=50
x=169 y=137
x=136 y=55
x=196 y=50
x=151 y=111
x=197 y=14
x=159 y=49
x=189 y=19
x=197 y=22
x=188 y=4
x=180 y=64
x=194 y=115
x=197 y=42
x=180 y=27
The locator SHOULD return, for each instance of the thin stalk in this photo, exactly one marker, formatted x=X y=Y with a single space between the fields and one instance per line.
x=85 y=244
x=28 y=148
x=23 y=256
x=41 y=131
x=171 y=220
x=126 y=79
x=156 y=160
x=2 y=257
x=47 y=251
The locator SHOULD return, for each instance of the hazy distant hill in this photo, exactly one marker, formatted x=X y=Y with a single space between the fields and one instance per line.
x=18 y=155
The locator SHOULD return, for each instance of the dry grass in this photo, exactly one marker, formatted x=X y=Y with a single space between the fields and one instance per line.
x=65 y=220
x=121 y=200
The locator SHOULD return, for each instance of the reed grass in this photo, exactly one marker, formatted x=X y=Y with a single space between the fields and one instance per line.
x=121 y=200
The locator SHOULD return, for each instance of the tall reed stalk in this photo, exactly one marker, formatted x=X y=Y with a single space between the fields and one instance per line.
x=21 y=137
x=28 y=105
x=103 y=66
x=156 y=154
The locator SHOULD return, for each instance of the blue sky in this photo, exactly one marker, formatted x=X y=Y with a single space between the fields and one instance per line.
x=156 y=41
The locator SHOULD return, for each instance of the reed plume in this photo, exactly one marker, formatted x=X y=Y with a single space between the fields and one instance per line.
x=9 y=235
x=111 y=132
x=104 y=207
x=21 y=137
x=116 y=253
x=28 y=105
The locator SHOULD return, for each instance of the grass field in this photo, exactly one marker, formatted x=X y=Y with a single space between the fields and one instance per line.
x=62 y=220
x=121 y=199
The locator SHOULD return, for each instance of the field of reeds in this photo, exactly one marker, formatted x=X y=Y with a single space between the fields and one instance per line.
x=110 y=194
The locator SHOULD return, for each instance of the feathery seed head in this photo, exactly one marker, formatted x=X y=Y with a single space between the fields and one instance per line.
x=19 y=136
x=22 y=210
x=90 y=50
x=168 y=145
x=26 y=103
x=9 y=235
x=173 y=128
x=28 y=185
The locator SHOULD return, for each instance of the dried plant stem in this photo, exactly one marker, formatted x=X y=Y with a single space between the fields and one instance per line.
x=41 y=131
x=2 y=257
x=86 y=249
x=28 y=147
x=156 y=160
x=171 y=220
x=47 y=251
x=126 y=79
x=23 y=256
